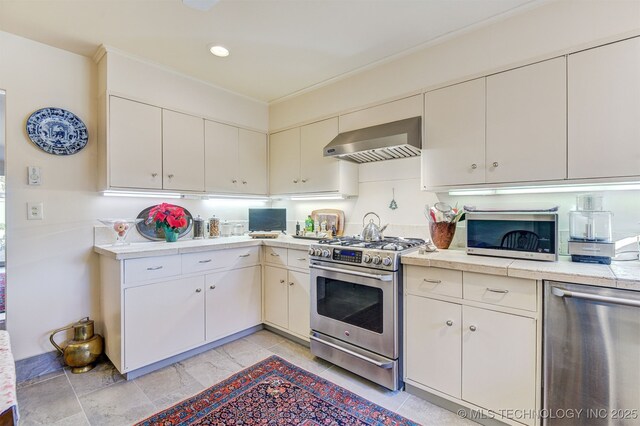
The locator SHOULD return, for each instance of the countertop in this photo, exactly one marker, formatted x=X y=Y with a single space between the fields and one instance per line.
x=619 y=274
x=161 y=248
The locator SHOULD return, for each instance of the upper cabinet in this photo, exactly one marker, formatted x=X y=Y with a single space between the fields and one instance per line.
x=454 y=142
x=148 y=147
x=604 y=111
x=235 y=160
x=297 y=164
x=507 y=127
x=182 y=151
x=527 y=124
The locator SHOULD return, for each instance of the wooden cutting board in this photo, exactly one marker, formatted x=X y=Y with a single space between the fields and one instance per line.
x=332 y=216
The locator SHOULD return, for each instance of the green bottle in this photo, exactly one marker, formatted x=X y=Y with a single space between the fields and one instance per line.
x=308 y=224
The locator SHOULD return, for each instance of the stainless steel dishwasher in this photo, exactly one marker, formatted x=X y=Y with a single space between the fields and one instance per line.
x=591 y=355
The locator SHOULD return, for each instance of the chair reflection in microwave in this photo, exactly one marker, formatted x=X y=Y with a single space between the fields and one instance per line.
x=520 y=240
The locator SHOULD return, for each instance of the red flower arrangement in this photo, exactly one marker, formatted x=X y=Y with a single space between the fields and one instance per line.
x=168 y=217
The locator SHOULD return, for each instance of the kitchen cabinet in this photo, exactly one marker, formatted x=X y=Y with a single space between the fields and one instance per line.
x=297 y=164
x=286 y=290
x=182 y=151
x=235 y=160
x=505 y=128
x=473 y=338
x=603 y=107
x=139 y=165
x=163 y=319
x=526 y=134
x=453 y=150
x=233 y=301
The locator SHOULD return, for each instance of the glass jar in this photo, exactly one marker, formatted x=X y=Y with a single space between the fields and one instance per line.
x=225 y=229
x=214 y=227
x=198 y=228
x=238 y=229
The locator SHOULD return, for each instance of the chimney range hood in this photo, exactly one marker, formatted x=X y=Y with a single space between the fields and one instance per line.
x=399 y=139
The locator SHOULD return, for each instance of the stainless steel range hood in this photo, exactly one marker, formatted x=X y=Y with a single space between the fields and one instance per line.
x=399 y=139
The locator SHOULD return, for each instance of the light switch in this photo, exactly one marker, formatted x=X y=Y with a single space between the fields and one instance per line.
x=34 y=175
x=35 y=211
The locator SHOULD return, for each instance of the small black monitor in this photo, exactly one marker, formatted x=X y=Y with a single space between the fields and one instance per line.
x=267 y=219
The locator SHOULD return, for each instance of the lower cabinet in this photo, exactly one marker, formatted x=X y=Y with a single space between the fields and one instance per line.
x=286 y=300
x=233 y=301
x=162 y=319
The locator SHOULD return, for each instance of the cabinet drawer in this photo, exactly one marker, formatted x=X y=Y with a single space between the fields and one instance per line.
x=424 y=281
x=220 y=259
x=298 y=259
x=275 y=255
x=511 y=292
x=150 y=268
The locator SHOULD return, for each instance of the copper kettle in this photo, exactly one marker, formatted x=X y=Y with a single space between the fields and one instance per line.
x=84 y=349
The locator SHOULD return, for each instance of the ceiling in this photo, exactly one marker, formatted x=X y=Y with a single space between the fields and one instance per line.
x=278 y=47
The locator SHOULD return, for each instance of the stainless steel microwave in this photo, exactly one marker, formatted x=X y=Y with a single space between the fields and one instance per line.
x=525 y=235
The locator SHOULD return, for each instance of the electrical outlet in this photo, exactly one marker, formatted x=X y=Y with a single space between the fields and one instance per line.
x=34 y=175
x=35 y=211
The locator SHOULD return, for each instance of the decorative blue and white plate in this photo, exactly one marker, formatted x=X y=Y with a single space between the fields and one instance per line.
x=57 y=131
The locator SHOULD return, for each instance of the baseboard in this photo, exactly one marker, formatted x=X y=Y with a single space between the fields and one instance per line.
x=286 y=335
x=38 y=365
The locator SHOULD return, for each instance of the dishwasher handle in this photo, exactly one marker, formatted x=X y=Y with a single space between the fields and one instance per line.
x=594 y=297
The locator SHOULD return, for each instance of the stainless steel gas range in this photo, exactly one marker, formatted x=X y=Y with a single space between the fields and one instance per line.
x=356 y=305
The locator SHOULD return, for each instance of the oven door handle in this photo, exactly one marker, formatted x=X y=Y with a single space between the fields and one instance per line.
x=384 y=365
x=379 y=277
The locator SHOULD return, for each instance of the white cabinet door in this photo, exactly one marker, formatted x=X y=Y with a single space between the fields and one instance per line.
x=234 y=301
x=454 y=143
x=135 y=144
x=527 y=123
x=318 y=173
x=252 y=162
x=182 y=151
x=299 y=303
x=434 y=344
x=498 y=360
x=284 y=162
x=221 y=157
x=276 y=296
x=162 y=320
x=604 y=106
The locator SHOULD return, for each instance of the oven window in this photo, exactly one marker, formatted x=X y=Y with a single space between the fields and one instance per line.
x=354 y=304
x=521 y=235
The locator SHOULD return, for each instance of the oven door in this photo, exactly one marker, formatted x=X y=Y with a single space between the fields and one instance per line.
x=356 y=305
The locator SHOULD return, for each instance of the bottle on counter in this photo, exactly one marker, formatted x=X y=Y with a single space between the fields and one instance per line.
x=308 y=224
x=297 y=228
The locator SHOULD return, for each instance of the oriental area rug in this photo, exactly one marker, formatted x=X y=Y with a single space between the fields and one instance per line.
x=275 y=392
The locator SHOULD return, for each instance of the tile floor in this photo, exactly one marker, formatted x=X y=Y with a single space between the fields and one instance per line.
x=102 y=396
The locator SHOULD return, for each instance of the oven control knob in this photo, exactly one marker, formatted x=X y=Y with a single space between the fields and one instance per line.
x=377 y=260
x=326 y=253
x=317 y=252
x=366 y=258
x=311 y=251
x=386 y=261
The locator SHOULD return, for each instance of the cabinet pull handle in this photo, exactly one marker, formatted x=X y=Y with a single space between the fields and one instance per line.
x=281 y=281
x=290 y=284
x=449 y=323
x=170 y=176
x=474 y=166
x=301 y=258
x=427 y=280
x=495 y=164
x=154 y=175
x=213 y=287
x=154 y=268
x=275 y=255
x=295 y=181
x=204 y=261
x=304 y=180
x=244 y=255
x=473 y=328
x=497 y=290
x=244 y=182
x=234 y=181
x=198 y=290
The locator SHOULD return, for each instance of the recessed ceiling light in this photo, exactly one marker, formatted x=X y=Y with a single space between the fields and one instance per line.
x=219 y=51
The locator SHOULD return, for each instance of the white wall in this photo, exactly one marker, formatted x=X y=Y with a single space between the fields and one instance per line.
x=52 y=272
x=545 y=31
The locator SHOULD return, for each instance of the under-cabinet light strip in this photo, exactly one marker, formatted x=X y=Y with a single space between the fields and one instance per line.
x=141 y=194
x=549 y=189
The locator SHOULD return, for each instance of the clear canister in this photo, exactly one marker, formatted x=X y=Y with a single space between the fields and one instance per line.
x=198 y=228
x=214 y=227
x=225 y=229
x=238 y=229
